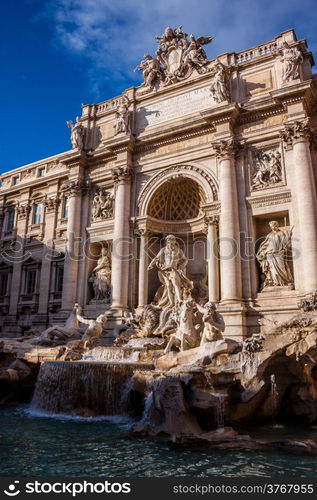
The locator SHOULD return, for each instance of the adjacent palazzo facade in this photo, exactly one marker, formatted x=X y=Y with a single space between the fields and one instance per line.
x=211 y=152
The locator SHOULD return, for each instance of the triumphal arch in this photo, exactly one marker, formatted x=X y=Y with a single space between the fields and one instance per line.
x=200 y=184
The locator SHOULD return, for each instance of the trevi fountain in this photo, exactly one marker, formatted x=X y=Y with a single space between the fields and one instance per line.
x=184 y=341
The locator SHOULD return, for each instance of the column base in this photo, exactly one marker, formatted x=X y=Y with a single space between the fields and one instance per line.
x=234 y=318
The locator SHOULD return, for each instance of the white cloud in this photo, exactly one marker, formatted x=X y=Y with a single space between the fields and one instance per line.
x=113 y=35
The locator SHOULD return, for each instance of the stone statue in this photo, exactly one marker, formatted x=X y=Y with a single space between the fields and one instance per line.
x=177 y=57
x=195 y=53
x=151 y=70
x=144 y=321
x=186 y=335
x=268 y=170
x=77 y=134
x=291 y=58
x=171 y=263
x=60 y=335
x=102 y=205
x=210 y=332
x=95 y=326
x=122 y=124
x=101 y=277
x=220 y=86
x=272 y=256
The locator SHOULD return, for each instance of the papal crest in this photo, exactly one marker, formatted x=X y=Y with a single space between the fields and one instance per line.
x=177 y=57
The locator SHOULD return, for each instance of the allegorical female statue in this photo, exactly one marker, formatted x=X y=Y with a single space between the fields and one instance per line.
x=272 y=256
x=171 y=263
x=77 y=133
x=101 y=277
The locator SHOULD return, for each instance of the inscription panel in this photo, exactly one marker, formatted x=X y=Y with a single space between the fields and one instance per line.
x=174 y=107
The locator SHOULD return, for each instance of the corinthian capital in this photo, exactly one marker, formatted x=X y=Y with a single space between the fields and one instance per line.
x=23 y=211
x=74 y=188
x=210 y=220
x=296 y=131
x=120 y=174
x=224 y=148
x=51 y=204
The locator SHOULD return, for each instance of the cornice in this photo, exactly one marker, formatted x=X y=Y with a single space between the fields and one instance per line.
x=120 y=144
x=301 y=92
x=172 y=135
x=265 y=200
x=222 y=114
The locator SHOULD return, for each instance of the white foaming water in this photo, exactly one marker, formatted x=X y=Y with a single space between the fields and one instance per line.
x=147 y=407
x=114 y=419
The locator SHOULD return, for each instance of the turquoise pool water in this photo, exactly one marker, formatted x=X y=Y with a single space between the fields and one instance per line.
x=40 y=446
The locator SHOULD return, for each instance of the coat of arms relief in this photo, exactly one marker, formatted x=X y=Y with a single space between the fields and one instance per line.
x=177 y=56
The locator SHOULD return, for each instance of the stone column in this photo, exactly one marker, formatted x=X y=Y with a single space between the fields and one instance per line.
x=51 y=205
x=297 y=135
x=212 y=258
x=229 y=235
x=74 y=190
x=20 y=256
x=121 y=238
x=143 y=268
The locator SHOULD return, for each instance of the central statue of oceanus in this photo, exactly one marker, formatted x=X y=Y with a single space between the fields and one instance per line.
x=171 y=263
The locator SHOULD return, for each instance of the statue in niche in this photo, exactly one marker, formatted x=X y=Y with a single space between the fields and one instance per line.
x=171 y=263
x=220 y=83
x=122 y=124
x=291 y=58
x=272 y=256
x=101 y=277
x=77 y=134
x=268 y=170
x=102 y=205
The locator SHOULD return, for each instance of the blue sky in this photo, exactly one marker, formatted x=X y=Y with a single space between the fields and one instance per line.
x=56 y=55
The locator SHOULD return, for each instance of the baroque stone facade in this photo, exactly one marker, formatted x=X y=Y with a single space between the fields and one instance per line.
x=219 y=154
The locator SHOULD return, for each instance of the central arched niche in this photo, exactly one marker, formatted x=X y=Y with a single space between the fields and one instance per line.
x=179 y=199
x=178 y=205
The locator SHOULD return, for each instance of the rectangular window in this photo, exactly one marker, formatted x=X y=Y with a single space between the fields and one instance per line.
x=3 y=284
x=30 y=279
x=65 y=208
x=41 y=172
x=59 y=275
x=10 y=219
x=15 y=181
x=37 y=213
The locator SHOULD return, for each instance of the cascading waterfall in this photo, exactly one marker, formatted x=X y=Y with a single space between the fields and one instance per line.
x=83 y=388
x=220 y=411
x=274 y=396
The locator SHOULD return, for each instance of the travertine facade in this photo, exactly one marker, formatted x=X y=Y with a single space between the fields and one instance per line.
x=208 y=151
